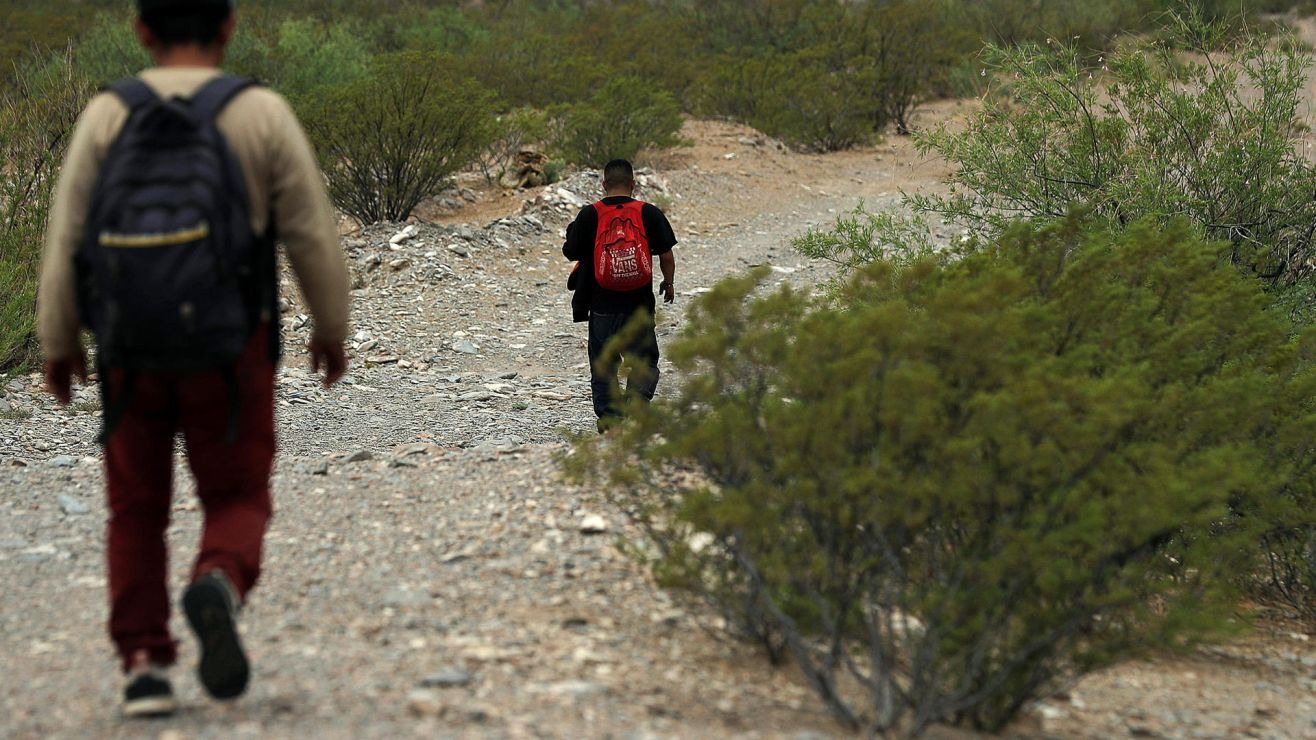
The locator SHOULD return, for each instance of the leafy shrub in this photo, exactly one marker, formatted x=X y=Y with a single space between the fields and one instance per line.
x=803 y=98
x=110 y=51
x=389 y=140
x=970 y=480
x=38 y=109
x=1211 y=136
x=619 y=120
x=310 y=57
x=445 y=31
x=914 y=46
x=511 y=133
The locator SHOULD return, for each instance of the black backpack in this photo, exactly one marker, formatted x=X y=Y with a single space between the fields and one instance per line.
x=171 y=277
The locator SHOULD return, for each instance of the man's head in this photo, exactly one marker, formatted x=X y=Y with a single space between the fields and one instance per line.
x=618 y=177
x=164 y=25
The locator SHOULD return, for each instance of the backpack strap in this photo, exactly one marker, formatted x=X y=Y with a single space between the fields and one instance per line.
x=133 y=92
x=214 y=95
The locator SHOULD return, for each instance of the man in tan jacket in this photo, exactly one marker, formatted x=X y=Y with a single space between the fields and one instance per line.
x=230 y=454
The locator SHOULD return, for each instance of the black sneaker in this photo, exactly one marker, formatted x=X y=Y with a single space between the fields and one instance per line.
x=211 y=605
x=148 y=694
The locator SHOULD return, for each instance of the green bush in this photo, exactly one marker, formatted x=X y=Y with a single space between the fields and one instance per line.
x=619 y=120
x=110 y=50
x=511 y=133
x=309 y=57
x=389 y=140
x=38 y=108
x=914 y=46
x=1211 y=136
x=445 y=31
x=808 y=98
x=964 y=482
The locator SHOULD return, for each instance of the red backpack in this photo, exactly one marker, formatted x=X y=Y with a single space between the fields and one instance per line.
x=622 y=260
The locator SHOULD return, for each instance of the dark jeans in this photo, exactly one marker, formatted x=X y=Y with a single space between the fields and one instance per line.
x=232 y=481
x=642 y=378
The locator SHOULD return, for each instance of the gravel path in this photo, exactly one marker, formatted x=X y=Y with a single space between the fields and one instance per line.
x=428 y=572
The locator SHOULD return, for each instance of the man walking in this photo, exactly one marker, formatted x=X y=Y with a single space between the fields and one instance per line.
x=615 y=241
x=161 y=241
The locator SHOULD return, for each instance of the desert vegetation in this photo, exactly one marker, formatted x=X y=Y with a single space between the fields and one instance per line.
x=818 y=74
x=963 y=472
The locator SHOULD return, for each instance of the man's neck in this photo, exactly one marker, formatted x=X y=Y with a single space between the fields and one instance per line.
x=617 y=193
x=189 y=55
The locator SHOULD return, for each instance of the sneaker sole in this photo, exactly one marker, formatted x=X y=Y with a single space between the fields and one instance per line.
x=150 y=706
x=223 y=669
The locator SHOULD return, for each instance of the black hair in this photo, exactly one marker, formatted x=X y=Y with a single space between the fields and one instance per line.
x=618 y=172
x=198 y=23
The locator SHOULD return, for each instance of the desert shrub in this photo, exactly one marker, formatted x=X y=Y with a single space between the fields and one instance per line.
x=388 y=140
x=861 y=236
x=620 y=119
x=444 y=31
x=965 y=481
x=511 y=133
x=251 y=50
x=776 y=26
x=620 y=39
x=38 y=108
x=531 y=57
x=914 y=46
x=110 y=51
x=1211 y=136
x=810 y=99
x=309 y=57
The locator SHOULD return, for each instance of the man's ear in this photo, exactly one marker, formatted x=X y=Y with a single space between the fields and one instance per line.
x=144 y=35
x=226 y=29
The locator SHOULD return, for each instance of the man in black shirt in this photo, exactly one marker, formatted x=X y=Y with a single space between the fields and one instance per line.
x=609 y=311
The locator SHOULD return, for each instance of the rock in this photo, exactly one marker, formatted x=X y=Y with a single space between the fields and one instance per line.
x=446 y=679
x=593 y=524
x=63 y=461
x=459 y=250
x=466 y=347
x=316 y=467
x=359 y=456
x=399 y=264
x=72 y=506
x=402 y=236
x=425 y=703
x=572 y=689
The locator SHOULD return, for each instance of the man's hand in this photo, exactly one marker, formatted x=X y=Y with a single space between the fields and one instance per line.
x=668 y=290
x=332 y=356
x=59 y=375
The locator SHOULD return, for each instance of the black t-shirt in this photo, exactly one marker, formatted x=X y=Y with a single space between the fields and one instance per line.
x=579 y=246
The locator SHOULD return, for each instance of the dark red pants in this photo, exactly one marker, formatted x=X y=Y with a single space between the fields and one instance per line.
x=233 y=484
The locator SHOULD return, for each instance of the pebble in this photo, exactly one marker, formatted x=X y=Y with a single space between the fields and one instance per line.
x=450 y=678
x=72 y=506
x=63 y=461
x=359 y=456
x=425 y=703
x=593 y=524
